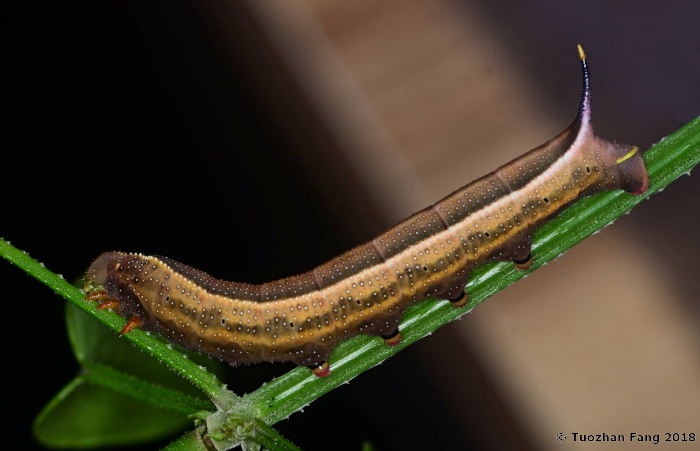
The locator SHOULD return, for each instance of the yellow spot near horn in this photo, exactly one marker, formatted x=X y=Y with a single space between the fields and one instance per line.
x=629 y=155
x=581 y=53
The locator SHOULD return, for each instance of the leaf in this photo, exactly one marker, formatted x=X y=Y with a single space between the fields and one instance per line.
x=94 y=343
x=124 y=396
x=84 y=415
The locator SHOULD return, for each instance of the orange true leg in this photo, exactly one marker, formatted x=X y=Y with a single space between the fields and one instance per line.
x=132 y=324
x=111 y=303
x=99 y=296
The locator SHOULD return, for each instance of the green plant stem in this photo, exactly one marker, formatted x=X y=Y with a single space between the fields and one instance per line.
x=236 y=429
x=190 y=441
x=665 y=162
x=179 y=363
x=258 y=432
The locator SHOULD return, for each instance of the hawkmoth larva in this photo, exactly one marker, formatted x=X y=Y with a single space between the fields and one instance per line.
x=366 y=290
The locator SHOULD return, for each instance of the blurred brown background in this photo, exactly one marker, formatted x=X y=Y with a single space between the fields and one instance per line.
x=257 y=139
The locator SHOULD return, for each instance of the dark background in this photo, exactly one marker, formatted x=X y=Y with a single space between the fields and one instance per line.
x=126 y=127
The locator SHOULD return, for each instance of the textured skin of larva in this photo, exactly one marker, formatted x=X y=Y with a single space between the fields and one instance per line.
x=367 y=289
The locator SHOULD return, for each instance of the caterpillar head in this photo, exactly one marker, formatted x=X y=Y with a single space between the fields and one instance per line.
x=97 y=275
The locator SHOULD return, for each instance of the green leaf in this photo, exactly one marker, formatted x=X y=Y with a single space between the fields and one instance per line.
x=94 y=343
x=123 y=396
x=84 y=415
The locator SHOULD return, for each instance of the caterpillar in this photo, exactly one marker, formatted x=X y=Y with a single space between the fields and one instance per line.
x=367 y=289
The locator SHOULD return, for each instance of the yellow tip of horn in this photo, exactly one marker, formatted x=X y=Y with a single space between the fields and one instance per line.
x=581 y=53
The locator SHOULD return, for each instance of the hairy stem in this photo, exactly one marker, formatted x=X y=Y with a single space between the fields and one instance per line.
x=237 y=430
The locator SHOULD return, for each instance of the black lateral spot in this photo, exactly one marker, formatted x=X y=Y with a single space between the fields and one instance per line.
x=588 y=169
x=546 y=200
